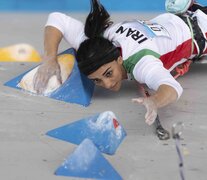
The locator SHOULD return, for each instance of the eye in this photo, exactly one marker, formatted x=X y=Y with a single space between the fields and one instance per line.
x=96 y=81
x=109 y=74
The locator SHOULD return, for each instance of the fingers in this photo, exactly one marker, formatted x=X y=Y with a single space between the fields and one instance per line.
x=45 y=71
x=138 y=100
x=58 y=75
x=59 y=78
x=150 y=117
x=151 y=108
x=40 y=82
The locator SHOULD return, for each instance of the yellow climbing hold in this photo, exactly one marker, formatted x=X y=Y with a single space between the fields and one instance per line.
x=19 y=53
x=66 y=62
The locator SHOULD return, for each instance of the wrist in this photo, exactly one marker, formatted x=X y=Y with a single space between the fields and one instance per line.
x=49 y=58
x=156 y=101
x=50 y=54
x=164 y=96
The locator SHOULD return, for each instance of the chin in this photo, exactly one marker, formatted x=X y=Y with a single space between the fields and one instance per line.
x=117 y=87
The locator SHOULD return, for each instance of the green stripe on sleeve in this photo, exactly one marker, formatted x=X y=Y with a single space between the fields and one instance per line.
x=130 y=63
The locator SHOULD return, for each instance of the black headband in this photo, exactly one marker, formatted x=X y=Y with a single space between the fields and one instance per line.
x=94 y=62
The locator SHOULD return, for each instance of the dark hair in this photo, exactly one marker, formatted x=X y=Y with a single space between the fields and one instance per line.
x=96 y=50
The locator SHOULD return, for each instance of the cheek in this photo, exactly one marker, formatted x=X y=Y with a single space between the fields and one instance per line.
x=118 y=86
x=118 y=74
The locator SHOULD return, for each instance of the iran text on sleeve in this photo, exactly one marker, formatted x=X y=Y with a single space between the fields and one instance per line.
x=150 y=70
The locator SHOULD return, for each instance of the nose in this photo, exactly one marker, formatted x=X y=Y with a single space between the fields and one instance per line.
x=107 y=83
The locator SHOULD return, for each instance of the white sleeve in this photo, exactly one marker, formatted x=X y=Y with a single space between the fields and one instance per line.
x=72 y=29
x=150 y=70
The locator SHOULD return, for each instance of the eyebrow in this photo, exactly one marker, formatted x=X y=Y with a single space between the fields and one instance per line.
x=106 y=71
x=93 y=79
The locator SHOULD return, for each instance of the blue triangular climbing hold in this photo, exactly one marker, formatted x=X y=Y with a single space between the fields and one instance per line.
x=76 y=89
x=103 y=129
x=87 y=162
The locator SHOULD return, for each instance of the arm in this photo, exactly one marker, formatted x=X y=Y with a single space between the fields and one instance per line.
x=72 y=29
x=50 y=66
x=58 y=26
x=167 y=90
x=52 y=38
x=163 y=96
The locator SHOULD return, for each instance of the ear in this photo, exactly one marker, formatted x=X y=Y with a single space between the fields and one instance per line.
x=120 y=60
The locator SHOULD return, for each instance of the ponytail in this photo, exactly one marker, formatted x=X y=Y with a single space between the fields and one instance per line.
x=97 y=21
x=96 y=50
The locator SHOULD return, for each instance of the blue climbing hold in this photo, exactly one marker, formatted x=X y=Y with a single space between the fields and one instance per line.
x=87 y=162
x=76 y=89
x=103 y=129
